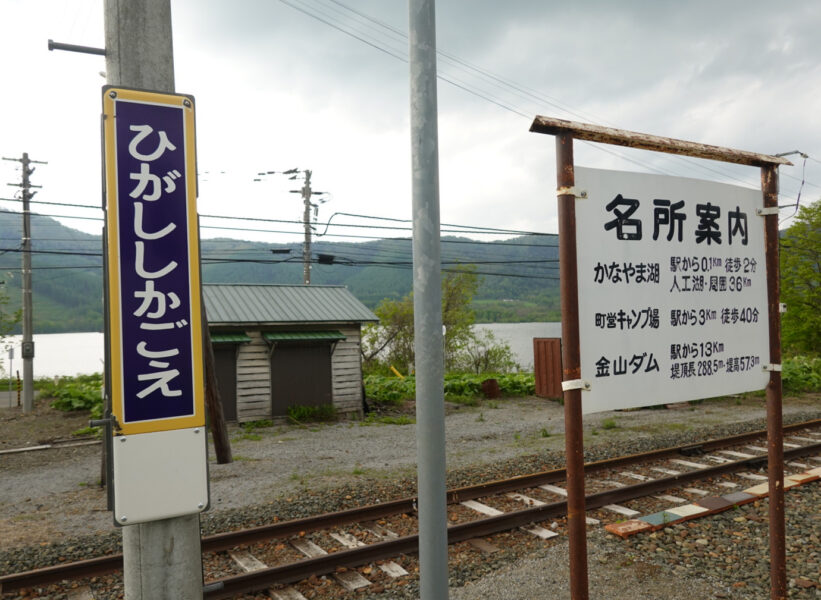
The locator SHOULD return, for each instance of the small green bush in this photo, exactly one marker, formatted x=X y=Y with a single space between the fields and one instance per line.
x=389 y=389
x=517 y=384
x=801 y=374
x=463 y=388
x=82 y=392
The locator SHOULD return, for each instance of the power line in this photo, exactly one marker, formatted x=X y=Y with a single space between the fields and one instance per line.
x=522 y=92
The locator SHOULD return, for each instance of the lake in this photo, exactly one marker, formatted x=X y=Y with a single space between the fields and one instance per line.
x=519 y=336
x=58 y=354
x=61 y=354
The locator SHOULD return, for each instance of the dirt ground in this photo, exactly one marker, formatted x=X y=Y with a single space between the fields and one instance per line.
x=46 y=494
x=43 y=425
x=46 y=425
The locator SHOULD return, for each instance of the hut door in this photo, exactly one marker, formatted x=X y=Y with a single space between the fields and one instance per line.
x=300 y=376
x=225 y=357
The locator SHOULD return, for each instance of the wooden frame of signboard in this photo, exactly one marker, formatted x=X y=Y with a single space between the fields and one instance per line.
x=565 y=132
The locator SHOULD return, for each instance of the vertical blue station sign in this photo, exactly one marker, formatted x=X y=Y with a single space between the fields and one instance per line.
x=155 y=336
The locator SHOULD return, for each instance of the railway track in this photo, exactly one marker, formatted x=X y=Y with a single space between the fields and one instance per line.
x=372 y=544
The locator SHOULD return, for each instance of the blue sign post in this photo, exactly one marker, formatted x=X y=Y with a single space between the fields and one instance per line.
x=155 y=332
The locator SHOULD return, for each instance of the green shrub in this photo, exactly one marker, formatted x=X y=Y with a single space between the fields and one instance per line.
x=389 y=389
x=463 y=388
x=82 y=392
x=517 y=384
x=801 y=374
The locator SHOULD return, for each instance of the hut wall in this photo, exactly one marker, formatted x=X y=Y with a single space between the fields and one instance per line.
x=253 y=380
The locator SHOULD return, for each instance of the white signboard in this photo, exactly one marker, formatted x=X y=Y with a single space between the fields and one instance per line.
x=672 y=289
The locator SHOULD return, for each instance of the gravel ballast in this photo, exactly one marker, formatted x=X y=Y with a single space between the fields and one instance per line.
x=284 y=472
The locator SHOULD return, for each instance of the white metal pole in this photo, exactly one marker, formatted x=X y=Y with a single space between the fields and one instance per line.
x=427 y=305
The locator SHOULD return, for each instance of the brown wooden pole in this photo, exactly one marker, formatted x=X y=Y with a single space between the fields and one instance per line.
x=571 y=370
x=213 y=406
x=775 y=430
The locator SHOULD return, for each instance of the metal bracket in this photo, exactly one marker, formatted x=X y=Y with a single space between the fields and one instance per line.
x=782 y=307
x=565 y=190
x=771 y=367
x=766 y=211
x=105 y=422
x=52 y=45
x=576 y=384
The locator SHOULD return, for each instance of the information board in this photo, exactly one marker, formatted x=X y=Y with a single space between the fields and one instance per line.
x=672 y=289
x=153 y=261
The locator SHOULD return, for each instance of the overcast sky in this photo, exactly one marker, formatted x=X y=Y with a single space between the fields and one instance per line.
x=277 y=88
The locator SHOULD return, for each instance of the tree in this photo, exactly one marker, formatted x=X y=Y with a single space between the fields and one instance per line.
x=392 y=340
x=801 y=281
x=484 y=353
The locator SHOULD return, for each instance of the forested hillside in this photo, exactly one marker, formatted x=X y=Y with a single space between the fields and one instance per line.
x=519 y=275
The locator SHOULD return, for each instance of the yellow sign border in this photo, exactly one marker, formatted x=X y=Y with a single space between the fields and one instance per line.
x=112 y=95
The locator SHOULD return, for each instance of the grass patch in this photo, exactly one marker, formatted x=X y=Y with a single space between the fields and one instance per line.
x=372 y=419
x=609 y=423
x=261 y=424
x=86 y=431
x=463 y=400
x=248 y=435
x=311 y=414
x=243 y=458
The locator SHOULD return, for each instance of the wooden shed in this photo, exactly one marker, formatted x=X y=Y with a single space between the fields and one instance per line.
x=278 y=346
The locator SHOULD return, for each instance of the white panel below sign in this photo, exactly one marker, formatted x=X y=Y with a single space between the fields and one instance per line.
x=160 y=475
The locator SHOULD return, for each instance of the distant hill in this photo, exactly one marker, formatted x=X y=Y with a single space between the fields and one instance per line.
x=519 y=275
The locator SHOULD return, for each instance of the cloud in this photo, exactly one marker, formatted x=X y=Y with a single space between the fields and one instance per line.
x=277 y=88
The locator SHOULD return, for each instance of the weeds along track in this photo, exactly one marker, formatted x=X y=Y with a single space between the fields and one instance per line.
x=373 y=546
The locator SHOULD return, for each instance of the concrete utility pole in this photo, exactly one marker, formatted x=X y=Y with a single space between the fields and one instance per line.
x=162 y=560
x=27 y=347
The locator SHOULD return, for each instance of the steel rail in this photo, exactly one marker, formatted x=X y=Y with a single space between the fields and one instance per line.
x=257 y=580
x=222 y=541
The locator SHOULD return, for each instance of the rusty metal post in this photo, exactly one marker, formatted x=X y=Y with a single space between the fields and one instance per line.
x=775 y=430
x=571 y=369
